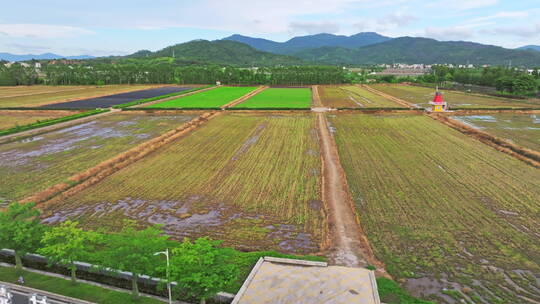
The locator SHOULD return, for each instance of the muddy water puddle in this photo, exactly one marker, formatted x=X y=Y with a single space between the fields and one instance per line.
x=180 y=219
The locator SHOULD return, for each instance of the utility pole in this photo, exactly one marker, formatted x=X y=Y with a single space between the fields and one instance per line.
x=166 y=253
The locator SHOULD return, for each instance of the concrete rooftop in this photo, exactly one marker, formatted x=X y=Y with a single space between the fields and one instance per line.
x=275 y=280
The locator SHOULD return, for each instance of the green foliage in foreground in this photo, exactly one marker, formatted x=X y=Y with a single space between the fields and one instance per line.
x=207 y=99
x=146 y=100
x=65 y=244
x=279 y=98
x=390 y=292
x=49 y=122
x=64 y=287
x=201 y=268
x=20 y=230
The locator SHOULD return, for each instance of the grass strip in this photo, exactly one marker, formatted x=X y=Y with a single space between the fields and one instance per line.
x=141 y=101
x=391 y=293
x=49 y=122
x=64 y=287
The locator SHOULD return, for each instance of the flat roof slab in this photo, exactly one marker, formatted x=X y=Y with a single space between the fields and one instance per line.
x=275 y=280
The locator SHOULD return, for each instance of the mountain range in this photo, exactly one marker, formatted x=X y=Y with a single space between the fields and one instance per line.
x=46 y=56
x=298 y=44
x=220 y=52
x=530 y=47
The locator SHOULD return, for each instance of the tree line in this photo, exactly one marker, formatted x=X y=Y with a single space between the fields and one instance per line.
x=200 y=268
x=165 y=71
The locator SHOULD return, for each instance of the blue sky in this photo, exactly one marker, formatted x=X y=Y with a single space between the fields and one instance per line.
x=121 y=27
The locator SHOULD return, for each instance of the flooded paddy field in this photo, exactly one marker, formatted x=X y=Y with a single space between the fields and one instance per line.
x=521 y=129
x=421 y=96
x=454 y=220
x=237 y=178
x=35 y=163
x=10 y=119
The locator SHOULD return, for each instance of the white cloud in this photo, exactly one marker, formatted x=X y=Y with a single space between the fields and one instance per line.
x=449 y=33
x=42 y=31
x=502 y=15
x=399 y=19
x=468 y=4
x=314 y=27
x=520 y=31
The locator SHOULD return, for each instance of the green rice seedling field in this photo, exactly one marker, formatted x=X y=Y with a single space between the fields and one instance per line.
x=9 y=119
x=521 y=129
x=421 y=97
x=275 y=98
x=453 y=219
x=236 y=178
x=34 y=96
x=35 y=163
x=214 y=98
x=352 y=97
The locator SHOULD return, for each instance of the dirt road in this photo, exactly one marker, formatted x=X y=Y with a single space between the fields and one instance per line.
x=315 y=96
x=349 y=245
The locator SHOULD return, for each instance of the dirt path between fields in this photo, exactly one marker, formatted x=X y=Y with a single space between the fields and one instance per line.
x=349 y=245
x=316 y=98
x=392 y=98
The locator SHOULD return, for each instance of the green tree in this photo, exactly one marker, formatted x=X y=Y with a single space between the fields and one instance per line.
x=20 y=230
x=133 y=250
x=202 y=268
x=67 y=243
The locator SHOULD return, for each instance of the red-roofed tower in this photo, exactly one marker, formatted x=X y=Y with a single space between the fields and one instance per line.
x=439 y=105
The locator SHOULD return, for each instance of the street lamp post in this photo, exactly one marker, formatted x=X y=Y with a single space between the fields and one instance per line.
x=166 y=253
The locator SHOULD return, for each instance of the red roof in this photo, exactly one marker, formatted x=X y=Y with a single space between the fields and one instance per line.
x=438 y=98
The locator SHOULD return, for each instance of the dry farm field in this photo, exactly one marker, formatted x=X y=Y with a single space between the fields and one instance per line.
x=450 y=217
x=34 y=96
x=9 y=119
x=421 y=96
x=521 y=129
x=235 y=178
x=352 y=97
x=35 y=163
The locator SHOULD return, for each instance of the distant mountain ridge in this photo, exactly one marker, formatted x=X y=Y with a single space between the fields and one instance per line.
x=422 y=50
x=45 y=56
x=530 y=47
x=219 y=52
x=301 y=43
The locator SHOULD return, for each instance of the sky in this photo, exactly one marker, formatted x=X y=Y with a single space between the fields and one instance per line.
x=119 y=27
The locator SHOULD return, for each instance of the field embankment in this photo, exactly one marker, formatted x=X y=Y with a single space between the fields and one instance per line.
x=529 y=156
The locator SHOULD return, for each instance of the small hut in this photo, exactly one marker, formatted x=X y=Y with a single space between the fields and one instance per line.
x=439 y=105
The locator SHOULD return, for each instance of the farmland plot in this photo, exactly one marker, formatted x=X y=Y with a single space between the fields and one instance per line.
x=214 y=98
x=35 y=163
x=33 y=96
x=9 y=119
x=421 y=97
x=116 y=99
x=352 y=97
x=275 y=98
x=521 y=129
x=237 y=178
x=453 y=217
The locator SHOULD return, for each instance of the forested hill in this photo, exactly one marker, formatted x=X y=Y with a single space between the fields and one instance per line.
x=301 y=43
x=220 y=52
x=530 y=47
x=422 y=50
